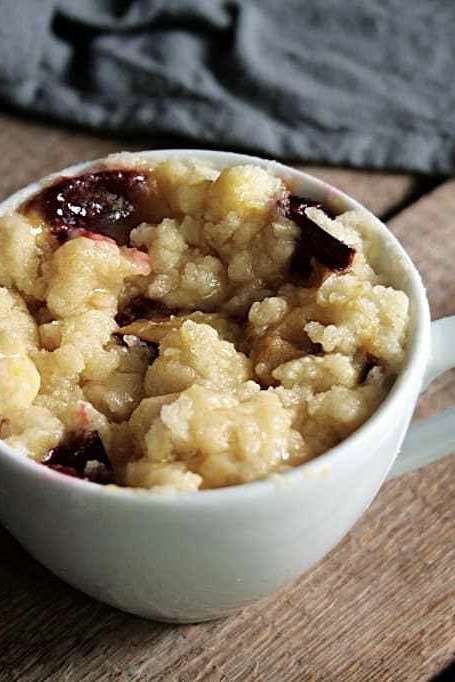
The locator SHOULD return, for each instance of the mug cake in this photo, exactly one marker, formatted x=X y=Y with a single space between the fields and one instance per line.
x=177 y=326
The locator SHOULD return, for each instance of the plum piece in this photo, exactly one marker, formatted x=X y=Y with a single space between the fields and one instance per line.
x=369 y=363
x=66 y=471
x=315 y=242
x=72 y=456
x=142 y=308
x=131 y=340
x=107 y=202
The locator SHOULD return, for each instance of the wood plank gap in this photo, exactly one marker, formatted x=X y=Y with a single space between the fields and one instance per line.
x=422 y=185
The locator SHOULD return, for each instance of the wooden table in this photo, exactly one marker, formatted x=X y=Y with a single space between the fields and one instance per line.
x=381 y=606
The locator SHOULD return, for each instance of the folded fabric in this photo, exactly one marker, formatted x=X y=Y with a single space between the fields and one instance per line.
x=361 y=83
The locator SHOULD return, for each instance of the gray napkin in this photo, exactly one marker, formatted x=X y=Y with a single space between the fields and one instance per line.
x=333 y=81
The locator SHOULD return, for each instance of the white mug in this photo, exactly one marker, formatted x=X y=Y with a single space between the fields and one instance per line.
x=189 y=557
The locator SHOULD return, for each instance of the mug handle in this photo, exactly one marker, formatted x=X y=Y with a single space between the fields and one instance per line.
x=430 y=440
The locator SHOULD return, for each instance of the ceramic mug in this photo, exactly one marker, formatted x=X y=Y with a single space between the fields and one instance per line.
x=188 y=557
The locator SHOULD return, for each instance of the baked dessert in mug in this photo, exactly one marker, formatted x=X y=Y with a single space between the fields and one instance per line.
x=176 y=326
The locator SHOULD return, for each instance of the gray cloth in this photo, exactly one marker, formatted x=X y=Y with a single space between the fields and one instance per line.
x=345 y=82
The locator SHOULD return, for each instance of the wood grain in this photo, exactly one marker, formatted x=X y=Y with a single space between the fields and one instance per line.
x=31 y=150
x=379 y=192
x=427 y=231
x=380 y=607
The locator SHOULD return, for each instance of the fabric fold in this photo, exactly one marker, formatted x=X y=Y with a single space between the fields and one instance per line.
x=362 y=84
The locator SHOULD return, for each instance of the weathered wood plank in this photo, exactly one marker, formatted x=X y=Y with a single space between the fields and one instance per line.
x=381 y=606
x=379 y=192
x=31 y=150
x=427 y=231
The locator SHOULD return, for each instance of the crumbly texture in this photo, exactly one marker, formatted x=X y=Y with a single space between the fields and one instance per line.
x=247 y=369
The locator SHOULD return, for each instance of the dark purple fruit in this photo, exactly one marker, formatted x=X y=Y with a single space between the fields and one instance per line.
x=77 y=449
x=109 y=203
x=369 y=363
x=142 y=308
x=150 y=346
x=315 y=242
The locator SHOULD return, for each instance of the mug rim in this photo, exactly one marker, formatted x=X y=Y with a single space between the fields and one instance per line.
x=418 y=350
